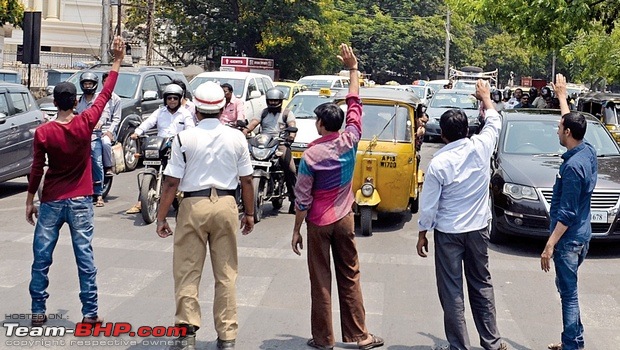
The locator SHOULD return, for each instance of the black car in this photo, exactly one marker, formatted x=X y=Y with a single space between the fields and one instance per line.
x=19 y=117
x=524 y=168
x=140 y=90
x=446 y=99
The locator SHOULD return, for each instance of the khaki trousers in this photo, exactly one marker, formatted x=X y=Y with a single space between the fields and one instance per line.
x=214 y=222
x=340 y=237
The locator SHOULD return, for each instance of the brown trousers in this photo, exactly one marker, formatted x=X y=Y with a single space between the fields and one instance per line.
x=340 y=237
x=201 y=221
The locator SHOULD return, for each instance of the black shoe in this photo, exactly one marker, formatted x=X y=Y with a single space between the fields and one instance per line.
x=291 y=208
x=225 y=344
x=38 y=320
x=92 y=320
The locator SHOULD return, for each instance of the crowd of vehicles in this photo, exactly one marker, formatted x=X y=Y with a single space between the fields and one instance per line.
x=386 y=176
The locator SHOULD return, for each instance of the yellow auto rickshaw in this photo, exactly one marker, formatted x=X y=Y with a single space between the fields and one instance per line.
x=386 y=178
x=606 y=107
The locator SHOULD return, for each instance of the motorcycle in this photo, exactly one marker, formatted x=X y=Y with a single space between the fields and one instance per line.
x=268 y=178
x=155 y=154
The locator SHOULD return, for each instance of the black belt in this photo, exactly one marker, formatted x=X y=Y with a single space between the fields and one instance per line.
x=207 y=193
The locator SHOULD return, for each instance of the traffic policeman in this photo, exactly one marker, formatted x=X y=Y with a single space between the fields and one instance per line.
x=206 y=163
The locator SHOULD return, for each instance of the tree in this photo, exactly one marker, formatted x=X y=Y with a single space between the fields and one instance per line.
x=545 y=25
x=12 y=12
x=595 y=55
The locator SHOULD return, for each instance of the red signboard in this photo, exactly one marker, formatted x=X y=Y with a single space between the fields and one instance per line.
x=234 y=61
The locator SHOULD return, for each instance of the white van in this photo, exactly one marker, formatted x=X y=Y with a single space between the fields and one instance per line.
x=250 y=87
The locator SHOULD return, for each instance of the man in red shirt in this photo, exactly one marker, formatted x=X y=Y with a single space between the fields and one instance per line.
x=67 y=191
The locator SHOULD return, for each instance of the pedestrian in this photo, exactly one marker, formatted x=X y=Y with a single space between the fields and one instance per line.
x=110 y=119
x=324 y=200
x=570 y=217
x=67 y=191
x=454 y=202
x=207 y=162
x=234 y=108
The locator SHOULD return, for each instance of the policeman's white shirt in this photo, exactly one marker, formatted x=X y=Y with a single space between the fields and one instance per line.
x=168 y=124
x=216 y=155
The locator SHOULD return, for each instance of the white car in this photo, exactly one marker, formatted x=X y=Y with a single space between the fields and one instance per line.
x=250 y=87
x=332 y=82
x=302 y=105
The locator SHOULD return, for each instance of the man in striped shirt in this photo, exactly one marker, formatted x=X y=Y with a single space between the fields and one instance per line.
x=324 y=200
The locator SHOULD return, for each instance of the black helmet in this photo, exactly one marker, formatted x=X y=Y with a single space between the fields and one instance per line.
x=545 y=92
x=173 y=89
x=274 y=94
x=507 y=94
x=92 y=77
x=533 y=93
x=496 y=95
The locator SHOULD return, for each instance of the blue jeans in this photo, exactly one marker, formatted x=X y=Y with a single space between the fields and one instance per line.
x=567 y=258
x=96 y=156
x=78 y=213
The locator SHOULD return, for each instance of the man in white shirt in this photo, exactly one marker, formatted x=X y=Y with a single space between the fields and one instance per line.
x=170 y=119
x=207 y=163
x=454 y=202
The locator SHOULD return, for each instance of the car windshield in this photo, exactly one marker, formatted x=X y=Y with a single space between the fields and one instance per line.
x=420 y=91
x=387 y=123
x=303 y=106
x=315 y=84
x=454 y=100
x=285 y=90
x=541 y=138
x=126 y=84
x=237 y=84
x=10 y=78
x=465 y=85
x=611 y=114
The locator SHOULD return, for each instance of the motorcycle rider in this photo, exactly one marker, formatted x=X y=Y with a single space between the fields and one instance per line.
x=272 y=121
x=170 y=119
x=88 y=83
x=543 y=100
x=496 y=96
x=186 y=102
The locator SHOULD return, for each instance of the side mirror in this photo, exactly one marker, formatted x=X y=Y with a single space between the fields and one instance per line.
x=255 y=94
x=149 y=95
x=49 y=90
x=3 y=118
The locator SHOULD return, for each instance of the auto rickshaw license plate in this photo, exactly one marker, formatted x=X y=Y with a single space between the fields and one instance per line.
x=151 y=162
x=297 y=154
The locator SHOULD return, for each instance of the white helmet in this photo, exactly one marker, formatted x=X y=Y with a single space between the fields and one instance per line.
x=209 y=98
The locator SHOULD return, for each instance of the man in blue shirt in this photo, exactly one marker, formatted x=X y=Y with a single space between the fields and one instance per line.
x=455 y=203
x=570 y=217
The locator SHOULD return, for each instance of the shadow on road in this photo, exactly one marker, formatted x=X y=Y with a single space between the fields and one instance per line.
x=386 y=223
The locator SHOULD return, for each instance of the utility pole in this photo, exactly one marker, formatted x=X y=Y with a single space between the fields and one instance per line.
x=553 y=67
x=149 y=31
x=447 y=67
x=105 y=31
